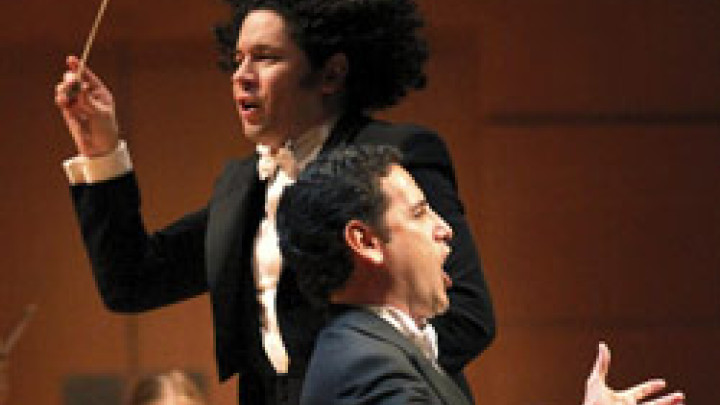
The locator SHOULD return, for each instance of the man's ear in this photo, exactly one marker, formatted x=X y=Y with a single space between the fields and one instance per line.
x=364 y=242
x=334 y=74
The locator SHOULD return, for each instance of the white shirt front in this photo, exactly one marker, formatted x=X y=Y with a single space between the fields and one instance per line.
x=267 y=260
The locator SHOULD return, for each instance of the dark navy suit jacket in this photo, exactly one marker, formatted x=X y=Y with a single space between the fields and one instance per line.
x=361 y=359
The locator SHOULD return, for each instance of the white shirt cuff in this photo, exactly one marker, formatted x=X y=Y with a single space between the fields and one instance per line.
x=87 y=170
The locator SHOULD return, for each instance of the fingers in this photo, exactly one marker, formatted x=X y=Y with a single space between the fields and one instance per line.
x=73 y=64
x=70 y=86
x=76 y=80
x=645 y=389
x=89 y=89
x=676 y=398
x=64 y=95
x=73 y=96
x=88 y=109
x=648 y=388
x=633 y=395
x=602 y=363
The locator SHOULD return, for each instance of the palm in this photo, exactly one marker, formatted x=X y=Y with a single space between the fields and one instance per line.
x=598 y=393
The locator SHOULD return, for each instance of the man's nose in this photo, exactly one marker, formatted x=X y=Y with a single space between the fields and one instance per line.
x=443 y=231
x=244 y=73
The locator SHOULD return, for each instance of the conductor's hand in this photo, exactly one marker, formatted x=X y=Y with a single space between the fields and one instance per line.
x=88 y=109
x=598 y=393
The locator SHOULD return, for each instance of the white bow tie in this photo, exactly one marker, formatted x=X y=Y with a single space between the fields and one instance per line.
x=269 y=162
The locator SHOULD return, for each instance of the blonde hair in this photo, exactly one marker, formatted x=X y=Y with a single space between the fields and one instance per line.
x=171 y=388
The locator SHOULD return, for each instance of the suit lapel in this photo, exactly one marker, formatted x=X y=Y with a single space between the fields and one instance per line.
x=233 y=216
x=444 y=387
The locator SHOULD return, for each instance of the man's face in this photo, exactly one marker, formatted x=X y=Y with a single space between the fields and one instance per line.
x=417 y=246
x=276 y=92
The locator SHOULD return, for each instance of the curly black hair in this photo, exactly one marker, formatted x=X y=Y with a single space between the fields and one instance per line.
x=380 y=38
x=312 y=213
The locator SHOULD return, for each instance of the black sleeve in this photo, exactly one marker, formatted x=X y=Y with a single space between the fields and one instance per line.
x=468 y=327
x=136 y=271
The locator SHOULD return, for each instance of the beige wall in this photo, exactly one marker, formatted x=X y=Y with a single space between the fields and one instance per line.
x=587 y=142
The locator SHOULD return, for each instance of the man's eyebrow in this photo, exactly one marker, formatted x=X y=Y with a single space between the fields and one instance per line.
x=258 y=48
x=420 y=204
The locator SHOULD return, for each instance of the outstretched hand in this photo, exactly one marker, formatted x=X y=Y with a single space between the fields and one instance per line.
x=88 y=109
x=598 y=393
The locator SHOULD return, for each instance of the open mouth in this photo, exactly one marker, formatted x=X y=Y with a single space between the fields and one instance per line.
x=249 y=106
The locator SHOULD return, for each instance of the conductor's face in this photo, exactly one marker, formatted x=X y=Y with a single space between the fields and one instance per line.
x=275 y=89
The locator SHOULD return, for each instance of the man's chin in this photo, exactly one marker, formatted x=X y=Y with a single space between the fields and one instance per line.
x=252 y=133
x=441 y=306
x=258 y=135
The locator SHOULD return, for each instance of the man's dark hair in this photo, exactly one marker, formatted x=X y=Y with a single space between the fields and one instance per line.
x=312 y=213
x=158 y=388
x=381 y=39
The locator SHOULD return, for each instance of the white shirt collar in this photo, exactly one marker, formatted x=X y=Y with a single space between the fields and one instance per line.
x=425 y=339
x=295 y=154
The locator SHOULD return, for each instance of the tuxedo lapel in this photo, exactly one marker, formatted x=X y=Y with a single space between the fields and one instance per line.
x=235 y=211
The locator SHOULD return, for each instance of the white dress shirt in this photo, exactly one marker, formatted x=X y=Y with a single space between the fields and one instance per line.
x=280 y=168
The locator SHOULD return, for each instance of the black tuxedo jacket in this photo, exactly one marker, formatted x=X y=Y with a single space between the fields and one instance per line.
x=361 y=359
x=211 y=250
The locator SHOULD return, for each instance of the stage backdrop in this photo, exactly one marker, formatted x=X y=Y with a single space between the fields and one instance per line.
x=587 y=142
